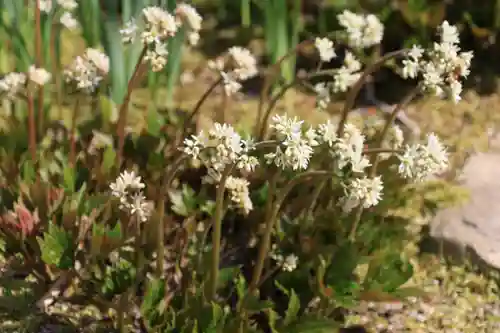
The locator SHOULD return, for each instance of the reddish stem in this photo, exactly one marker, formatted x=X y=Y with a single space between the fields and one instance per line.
x=123 y=113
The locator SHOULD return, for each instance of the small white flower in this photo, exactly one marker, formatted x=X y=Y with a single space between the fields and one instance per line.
x=99 y=141
x=349 y=149
x=449 y=33
x=140 y=207
x=45 y=6
x=190 y=16
x=419 y=162
x=325 y=49
x=12 y=84
x=39 y=76
x=416 y=52
x=159 y=25
x=83 y=74
x=157 y=56
x=327 y=133
x=193 y=38
x=67 y=20
x=362 y=31
x=231 y=86
x=245 y=63
x=99 y=59
x=455 y=91
x=366 y=192
x=347 y=75
x=239 y=193
x=68 y=5
x=295 y=148
x=411 y=69
x=129 y=32
x=323 y=95
x=290 y=263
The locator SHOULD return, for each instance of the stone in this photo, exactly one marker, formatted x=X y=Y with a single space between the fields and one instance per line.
x=472 y=230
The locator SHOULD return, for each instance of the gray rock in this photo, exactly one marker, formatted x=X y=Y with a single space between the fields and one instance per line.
x=473 y=229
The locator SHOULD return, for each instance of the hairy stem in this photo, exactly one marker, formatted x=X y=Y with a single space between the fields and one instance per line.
x=407 y=100
x=199 y=104
x=31 y=126
x=160 y=233
x=275 y=69
x=72 y=142
x=270 y=221
x=380 y=149
x=39 y=63
x=123 y=113
x=354 y=91
x=217 y=233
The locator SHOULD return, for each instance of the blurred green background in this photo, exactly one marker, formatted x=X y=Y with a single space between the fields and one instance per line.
x=275 y=26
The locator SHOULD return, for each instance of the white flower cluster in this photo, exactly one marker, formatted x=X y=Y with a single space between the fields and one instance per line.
x=68 y=6
x=347 y=75
x=442 y=66
x=295 y=147
x=344 y=78
x=12 y=84
x=323 y=96
x=128 y=188
x=222 y=147
x=241 y=65
x=192 y=19
x=362 y=30
x=363 y=191
x=38 y=76
x=288 y=263
x=419 y=162
x=159 y=26
x=325 y=49
x=239 y=193
x=393 y=141
x=87 y=71
x=349 y=149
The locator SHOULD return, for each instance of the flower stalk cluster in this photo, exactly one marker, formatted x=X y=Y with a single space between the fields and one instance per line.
x=128 y=189
x=157 y=27
x=441 y=67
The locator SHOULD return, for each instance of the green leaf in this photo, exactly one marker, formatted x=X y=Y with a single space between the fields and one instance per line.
x=293 y=308
x=388 y=272
x=256 y=305
x=184 y=201
x=69 y=178
x=339 y=273
x=108 y=159
x=57 y=247
x=155 y=121
x=227 y=274
x=116 y=232
x=29 y=174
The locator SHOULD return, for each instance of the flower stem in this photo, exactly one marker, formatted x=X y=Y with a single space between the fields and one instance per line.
x=123 y=113
x=376 y=157
x=354 y=91
x=39 y=63
x=72 y=142
x=31 y=126
x=217 y=233
x=199 y=104
x=275 y=69
x=160 y=233
x=407 y=100
x=270 y=221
